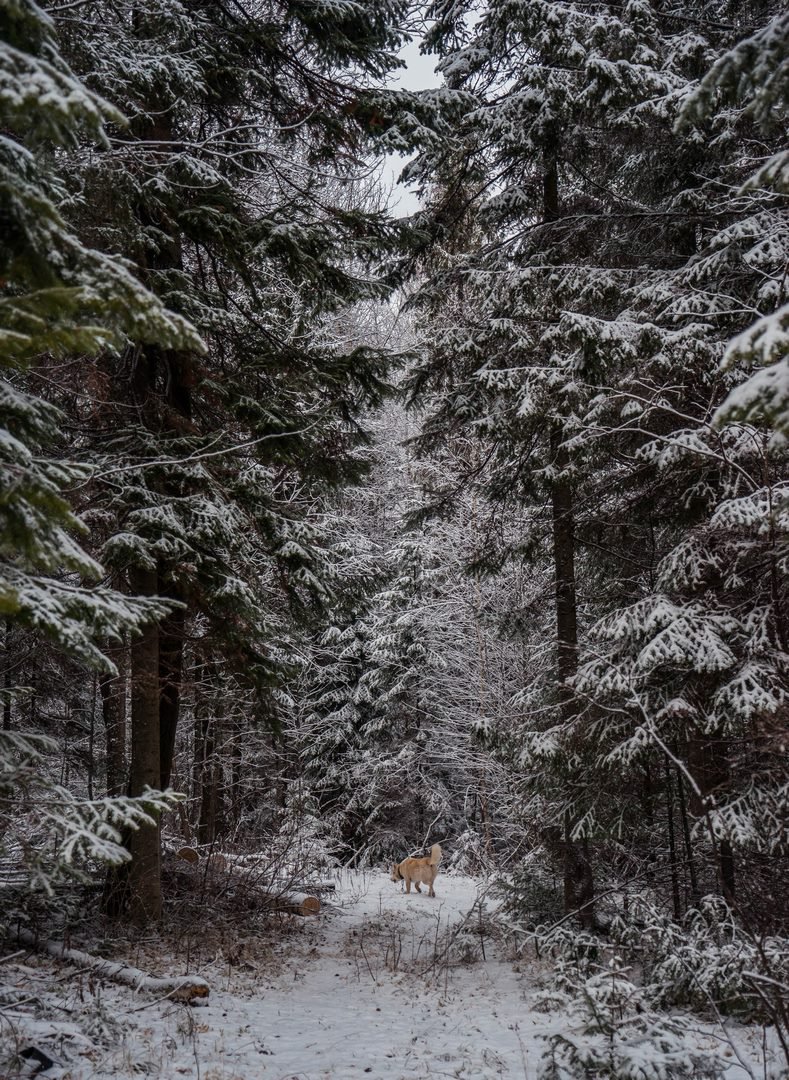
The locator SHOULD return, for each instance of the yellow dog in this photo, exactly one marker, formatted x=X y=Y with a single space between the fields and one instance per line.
x=417 y=870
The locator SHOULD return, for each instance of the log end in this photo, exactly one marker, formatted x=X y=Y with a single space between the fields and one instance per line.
x=310 y=905
x=190 y=992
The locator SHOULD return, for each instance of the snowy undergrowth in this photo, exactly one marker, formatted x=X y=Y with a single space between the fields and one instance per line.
x=382 y=984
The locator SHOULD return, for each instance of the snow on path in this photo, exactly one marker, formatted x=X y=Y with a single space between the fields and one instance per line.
x=382 y=985
x=339 y=1009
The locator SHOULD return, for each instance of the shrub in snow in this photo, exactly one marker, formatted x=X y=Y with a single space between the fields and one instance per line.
x=712 y=962
x=533 y=893
x=309 y=837
x=609 y=1030
x=469 y=854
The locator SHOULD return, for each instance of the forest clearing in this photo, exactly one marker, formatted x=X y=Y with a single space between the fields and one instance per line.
x=394 y=482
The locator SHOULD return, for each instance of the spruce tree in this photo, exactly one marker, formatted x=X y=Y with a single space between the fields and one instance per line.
x=557 y=256
x=58 y=296
x=228 y=188
x=746 y=89
x=582 y=350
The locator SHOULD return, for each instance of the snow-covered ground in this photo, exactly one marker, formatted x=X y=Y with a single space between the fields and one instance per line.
x=383 y=984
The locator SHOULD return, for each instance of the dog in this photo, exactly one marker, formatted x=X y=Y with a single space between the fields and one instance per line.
x=418 y=870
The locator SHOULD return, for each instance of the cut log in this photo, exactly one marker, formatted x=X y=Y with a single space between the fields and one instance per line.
x=214 y=860
x=188 y=854
x=188 y=988
x=296 y=903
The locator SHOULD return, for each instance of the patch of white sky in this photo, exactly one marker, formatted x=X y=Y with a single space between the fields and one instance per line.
x=418 y=74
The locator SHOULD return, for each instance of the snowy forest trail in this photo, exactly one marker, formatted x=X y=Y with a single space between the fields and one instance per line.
x=385 y=985
x=382 y=984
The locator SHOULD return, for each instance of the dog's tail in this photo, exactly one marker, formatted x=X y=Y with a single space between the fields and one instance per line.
x=435 y=855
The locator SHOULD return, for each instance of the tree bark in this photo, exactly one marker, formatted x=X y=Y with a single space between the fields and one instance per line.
x=171 y=399
x=563 y=527
x=7 y=677
x=144 y=901
x=113 y=706
x=728 y=880
x=578 y=878
x=171 y=660
x=695 y=892
x=236 y=773
x=92 y=735
x=708 y=761
x=207 y=770
x=672 y=844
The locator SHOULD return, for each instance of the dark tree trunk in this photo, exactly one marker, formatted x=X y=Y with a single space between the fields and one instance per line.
x=166 y=383
x=209 y=796
x=8 y=681
x=94 y=700
x=236 y=774
x=578 y=876
x=198 y=744
x=708 y=763
x=134 y=889
x=206 y=766
x=726 y=857
x=113 y=706
x=171 y=659
x=695 y=892
x=144 y=885
x=564 y=571
x=672 y=844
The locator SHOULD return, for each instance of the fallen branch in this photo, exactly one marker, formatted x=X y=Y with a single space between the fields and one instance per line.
x=188 y=988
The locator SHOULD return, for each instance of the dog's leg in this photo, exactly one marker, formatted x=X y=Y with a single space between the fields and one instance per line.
x=408 y=884
x=417 y=886
x=432 y=890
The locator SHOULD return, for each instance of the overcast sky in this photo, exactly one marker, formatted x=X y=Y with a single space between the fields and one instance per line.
x=417 y=75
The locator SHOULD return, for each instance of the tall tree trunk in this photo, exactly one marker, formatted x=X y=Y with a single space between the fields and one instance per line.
x=198 y=744
x=113 y=707
x=728 y=880
x=144 y=900
x=236 y=773
x=672 y=844
x=695 y=892
x=578 y=879
x=171 y=660
x=172 y=630
x=171 y=399
x=8 y=681
x=708 y=761
x=209 y=791
x=94 y=700
x=563 y=528
x=206 y=766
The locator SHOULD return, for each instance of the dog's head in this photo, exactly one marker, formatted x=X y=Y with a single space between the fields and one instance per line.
x=396 y=875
